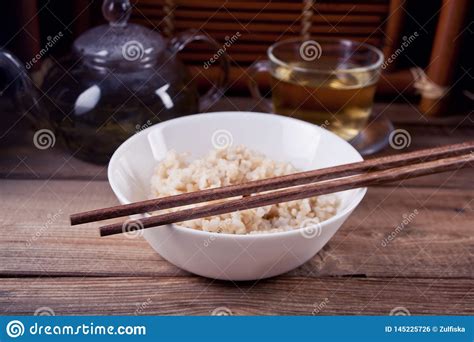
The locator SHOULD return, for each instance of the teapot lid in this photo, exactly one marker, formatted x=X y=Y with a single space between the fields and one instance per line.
x=119 y=43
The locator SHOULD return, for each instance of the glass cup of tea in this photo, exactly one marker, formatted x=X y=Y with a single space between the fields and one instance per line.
x=330 y=83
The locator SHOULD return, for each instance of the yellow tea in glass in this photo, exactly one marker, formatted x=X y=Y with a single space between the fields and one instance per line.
x=328 y=83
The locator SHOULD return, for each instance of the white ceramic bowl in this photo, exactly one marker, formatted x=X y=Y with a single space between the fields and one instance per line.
x=227 y=256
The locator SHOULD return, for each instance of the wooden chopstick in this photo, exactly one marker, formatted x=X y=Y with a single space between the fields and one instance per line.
x=296 y=193
x=274 y=183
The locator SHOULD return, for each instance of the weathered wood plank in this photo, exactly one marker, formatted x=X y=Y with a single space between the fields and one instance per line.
x=438 y=241
x=199 y=296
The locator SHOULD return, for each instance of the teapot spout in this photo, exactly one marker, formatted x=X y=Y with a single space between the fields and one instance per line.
x=16 y=84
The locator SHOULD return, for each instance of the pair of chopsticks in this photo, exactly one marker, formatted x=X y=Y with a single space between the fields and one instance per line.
x=295 y=187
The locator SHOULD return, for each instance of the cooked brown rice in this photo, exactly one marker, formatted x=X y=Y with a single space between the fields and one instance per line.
x=176 y=175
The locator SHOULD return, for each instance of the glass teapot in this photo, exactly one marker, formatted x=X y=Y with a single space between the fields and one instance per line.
x=119 y=79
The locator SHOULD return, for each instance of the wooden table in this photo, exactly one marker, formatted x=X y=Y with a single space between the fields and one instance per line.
x=427 y=268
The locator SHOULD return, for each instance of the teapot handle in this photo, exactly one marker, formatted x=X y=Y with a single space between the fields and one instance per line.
x=180 y=41
x=19 y=87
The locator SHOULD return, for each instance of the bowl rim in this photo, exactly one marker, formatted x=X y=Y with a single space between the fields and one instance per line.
x=359 y=195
